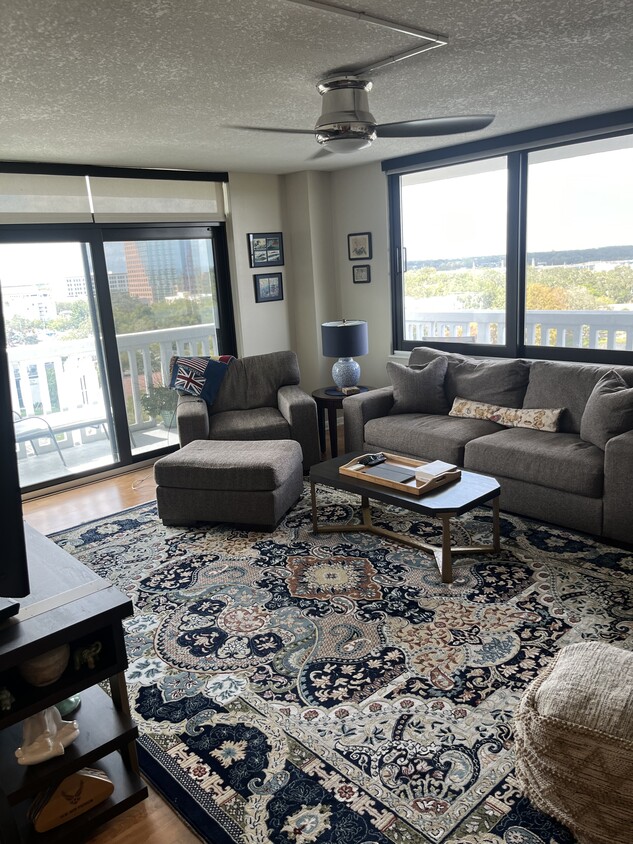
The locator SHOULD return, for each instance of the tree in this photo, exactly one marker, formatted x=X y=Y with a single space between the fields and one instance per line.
x=72 y=320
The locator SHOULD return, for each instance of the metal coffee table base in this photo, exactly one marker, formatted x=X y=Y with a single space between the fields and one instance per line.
x=443 y=554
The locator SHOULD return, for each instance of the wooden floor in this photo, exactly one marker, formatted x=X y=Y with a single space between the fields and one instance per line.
x=151 y=822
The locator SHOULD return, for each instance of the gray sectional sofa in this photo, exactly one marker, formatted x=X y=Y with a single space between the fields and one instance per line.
x=578 y=476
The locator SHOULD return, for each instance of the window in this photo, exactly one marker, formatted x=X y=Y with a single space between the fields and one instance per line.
x=520 y=245
x=454 y=238
x=579 y=274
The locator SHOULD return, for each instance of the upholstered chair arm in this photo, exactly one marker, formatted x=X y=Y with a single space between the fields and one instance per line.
x=617 y=503
x=359 y=409
x=192 y=418
x=299 y=411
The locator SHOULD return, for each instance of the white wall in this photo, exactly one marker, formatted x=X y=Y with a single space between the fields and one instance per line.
x=254 y=204
x=315 y=212
x=360 y=204
x=308 y=221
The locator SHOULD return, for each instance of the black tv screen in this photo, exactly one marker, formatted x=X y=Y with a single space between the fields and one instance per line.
x=14 y=573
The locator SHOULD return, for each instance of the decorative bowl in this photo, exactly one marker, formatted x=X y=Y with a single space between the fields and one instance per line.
x=46 y=668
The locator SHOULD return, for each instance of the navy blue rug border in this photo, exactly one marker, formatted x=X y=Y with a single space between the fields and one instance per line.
x=179 y=799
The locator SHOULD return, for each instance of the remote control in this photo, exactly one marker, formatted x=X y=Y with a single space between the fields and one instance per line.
x=372 y=459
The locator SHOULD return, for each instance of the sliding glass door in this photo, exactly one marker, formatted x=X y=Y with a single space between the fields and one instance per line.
x=59 y=390
x=164 y=294
x=93 y=315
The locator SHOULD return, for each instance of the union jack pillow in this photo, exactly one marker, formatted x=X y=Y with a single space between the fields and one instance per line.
x=198 y=376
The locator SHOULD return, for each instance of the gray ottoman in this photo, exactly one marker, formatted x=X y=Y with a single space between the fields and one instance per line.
x=249 y=483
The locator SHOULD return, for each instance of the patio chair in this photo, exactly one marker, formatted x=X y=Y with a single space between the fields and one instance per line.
x=34 y=428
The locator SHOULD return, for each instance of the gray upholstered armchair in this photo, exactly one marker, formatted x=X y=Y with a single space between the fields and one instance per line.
x=259 y=399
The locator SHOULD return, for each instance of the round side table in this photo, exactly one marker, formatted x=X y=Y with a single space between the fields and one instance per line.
x=330 y=399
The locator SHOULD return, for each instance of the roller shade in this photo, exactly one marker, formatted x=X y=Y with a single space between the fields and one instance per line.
x=36 y=198
x=46 y=198
x=155 y=200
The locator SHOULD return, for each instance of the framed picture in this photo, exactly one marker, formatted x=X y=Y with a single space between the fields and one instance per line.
x=361 y=273
x=268 y=288
x=359 y=246
x=266 y=250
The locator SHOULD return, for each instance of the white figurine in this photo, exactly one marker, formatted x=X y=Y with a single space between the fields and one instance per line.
x=45 y=735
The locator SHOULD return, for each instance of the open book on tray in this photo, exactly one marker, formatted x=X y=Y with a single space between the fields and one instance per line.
x=404 y=474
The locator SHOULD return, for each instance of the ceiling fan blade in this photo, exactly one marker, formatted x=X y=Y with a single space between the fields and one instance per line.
x=274 y=129
x=322 y=152
x=434 y=126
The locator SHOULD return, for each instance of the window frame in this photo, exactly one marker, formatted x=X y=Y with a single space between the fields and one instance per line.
x=515 y=147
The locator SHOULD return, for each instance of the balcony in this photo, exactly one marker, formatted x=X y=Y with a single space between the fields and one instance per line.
x=60 y=381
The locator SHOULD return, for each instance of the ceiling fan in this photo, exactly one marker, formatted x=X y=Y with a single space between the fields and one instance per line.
x=347 y=125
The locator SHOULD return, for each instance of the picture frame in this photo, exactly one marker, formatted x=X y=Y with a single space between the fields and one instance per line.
x=361 y=273
x=359 y=246
x=265 y=249
x=268 y=287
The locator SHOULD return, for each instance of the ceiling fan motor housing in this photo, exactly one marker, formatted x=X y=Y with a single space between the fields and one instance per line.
x=345 y=114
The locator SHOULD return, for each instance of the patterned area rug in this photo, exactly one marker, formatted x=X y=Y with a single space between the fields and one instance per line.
x=301 y=689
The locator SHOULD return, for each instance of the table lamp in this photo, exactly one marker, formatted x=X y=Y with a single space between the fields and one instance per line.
x=345 y=340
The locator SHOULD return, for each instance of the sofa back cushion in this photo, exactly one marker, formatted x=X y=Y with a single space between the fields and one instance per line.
x=253 y=381
x=568 y=385
x=502 y=382
x=418 y=389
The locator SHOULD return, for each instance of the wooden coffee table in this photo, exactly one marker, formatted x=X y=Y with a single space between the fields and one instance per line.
x=444 y=503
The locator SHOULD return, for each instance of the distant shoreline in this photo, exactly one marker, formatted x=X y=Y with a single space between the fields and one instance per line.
x=550 y=259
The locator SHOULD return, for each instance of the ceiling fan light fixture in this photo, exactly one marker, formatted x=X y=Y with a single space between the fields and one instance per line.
x=346 y=137
x=345 y=144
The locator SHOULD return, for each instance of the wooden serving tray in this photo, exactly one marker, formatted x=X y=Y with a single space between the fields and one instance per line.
x=413 y=487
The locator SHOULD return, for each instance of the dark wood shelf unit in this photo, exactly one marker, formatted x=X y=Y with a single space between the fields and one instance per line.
x=102 y=729
x=129 y=789
x=68 y=604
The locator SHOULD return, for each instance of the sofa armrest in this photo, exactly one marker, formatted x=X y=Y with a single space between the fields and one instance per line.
x=617 y=503
x=192 y=418
x=359 y=409
x=299 y=411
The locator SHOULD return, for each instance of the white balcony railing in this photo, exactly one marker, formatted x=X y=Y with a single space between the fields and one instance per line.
x=571 y=329
x=138 y=350
x=61 y=379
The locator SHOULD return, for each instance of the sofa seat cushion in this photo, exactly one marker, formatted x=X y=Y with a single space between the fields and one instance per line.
x=262 y=423
x=559 y=461
x=426 y=436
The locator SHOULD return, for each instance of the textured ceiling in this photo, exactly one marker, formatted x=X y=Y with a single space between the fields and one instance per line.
x=158 y=83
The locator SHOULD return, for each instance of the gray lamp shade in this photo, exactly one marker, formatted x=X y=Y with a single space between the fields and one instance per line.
x=344 y=338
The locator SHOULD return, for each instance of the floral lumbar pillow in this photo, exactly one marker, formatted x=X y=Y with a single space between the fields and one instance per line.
x=538 y=419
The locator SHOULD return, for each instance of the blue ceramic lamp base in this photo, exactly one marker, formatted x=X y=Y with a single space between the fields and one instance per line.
x=346 y=372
